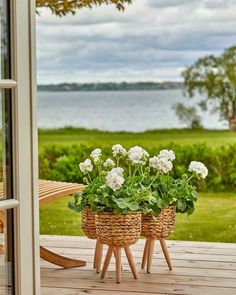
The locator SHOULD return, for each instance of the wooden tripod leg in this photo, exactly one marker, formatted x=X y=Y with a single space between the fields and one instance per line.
x=145 y=254
x=131 y=261
x=114 y=251
x=99 y=257
x=106 y=262
x=166 y=253
x=95 y=255
x=150 y=254
x=118 y=264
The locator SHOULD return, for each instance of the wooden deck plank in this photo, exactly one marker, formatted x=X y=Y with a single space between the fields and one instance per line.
x=140 y=247
x=157 y=254
x=186 y=244
x=199 y=268
x=59 y=291
x=162 y=270
x=137 y=286
x=166 y=278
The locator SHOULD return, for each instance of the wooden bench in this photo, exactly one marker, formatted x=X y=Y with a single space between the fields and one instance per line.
x=48 y=191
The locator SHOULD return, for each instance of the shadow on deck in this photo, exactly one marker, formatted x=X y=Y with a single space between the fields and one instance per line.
x=199 y=269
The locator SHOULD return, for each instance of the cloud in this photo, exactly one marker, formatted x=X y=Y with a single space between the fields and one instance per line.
x=170 y=3
x=151 y=40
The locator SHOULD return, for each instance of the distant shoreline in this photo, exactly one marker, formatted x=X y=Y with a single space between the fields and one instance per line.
x=69 y=129
x=110 y=86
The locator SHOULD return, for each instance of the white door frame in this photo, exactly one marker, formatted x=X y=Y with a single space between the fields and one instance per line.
x=25 y=147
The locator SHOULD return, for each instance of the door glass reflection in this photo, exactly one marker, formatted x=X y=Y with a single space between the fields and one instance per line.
x=6 y=256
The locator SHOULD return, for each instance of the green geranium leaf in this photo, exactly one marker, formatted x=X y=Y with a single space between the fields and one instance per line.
x=122 y=203
x=133 y=206
x=76 y=208
x=181 y=205
x=194 y=195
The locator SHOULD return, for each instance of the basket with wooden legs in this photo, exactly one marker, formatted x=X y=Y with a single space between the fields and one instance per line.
x=118 y=232
x=157 y=228
x=89 y=229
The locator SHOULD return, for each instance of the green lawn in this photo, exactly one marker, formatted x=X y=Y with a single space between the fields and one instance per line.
x=68 y=136
x=213 y=220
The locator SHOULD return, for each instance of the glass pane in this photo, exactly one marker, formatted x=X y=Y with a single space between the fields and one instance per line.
x=5 y=145
x=6 y=252
x=4 y=37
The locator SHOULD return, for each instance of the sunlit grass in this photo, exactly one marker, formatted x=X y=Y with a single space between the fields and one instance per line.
x=69 y=136
x=214 y=219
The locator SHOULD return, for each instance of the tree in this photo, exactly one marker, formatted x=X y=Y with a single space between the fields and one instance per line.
x=188 y=115
x=64 y=7
x=215 y=78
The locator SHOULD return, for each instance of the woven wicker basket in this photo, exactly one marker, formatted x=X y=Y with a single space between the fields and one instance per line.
x=118 y=230
x=88 y=223
x=160 y=226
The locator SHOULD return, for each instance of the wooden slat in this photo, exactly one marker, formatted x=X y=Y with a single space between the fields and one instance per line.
x=128 y=285
x=84 y=243
x=185 y=244
x=177 y=255
x=50 y=190
x=55 y=195
x=59 y=291
x=166 y=278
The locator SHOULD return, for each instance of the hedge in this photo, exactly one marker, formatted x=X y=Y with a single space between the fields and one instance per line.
x=60 y=163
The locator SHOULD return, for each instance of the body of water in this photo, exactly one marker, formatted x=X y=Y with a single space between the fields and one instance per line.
x=116 y=110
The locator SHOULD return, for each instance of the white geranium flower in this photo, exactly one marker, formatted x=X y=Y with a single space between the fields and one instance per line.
x=96 y=154
x=118 y=171
x=109 y=163
x=199 y=168
x=86 y=166
x=118 y=150
x=169 y=154
x=138 y=155
x=161 y=164
x=115 y=179
x=145 y=153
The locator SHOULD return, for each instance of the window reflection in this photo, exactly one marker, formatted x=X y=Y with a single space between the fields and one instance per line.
x=6 y=216
x=4 y=37
x=6 y=257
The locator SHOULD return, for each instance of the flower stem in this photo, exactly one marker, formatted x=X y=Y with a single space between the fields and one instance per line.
x=117 y=162
x=89 y=177
x=157 y=174
x=130 y=172
x=190 y=178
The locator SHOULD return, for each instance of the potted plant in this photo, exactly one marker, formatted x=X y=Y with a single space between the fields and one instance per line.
x=170 y=196
x=116 y=196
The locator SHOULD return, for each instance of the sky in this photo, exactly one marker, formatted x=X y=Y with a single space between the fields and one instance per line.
x=153 y=40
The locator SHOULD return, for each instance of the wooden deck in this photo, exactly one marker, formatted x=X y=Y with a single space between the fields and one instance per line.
x=199 y=269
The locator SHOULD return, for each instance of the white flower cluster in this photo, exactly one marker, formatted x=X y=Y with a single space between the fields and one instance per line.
x=137 y=155
x=109 y=163
x=86 y=166
x=199 y=168
x=169 y=154
x=95 y=155
x=115 y=179
x=118 y=150
x=163 y=162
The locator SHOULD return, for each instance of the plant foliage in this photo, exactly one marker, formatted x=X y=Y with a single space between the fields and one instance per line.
x=215 y=78
x=64 y=7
